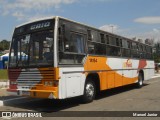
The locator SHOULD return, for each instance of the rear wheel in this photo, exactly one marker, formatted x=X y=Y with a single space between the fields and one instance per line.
x=89 y=91
x=140 y=81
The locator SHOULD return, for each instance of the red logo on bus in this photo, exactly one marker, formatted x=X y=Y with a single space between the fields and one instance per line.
x=127 y=64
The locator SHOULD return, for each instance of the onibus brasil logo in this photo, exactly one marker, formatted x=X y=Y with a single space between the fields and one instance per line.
x=20 y=114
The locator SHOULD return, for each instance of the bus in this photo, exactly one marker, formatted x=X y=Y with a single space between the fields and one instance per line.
x=57 y=58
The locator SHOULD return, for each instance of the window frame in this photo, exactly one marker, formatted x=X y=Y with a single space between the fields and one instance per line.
x=73 y=54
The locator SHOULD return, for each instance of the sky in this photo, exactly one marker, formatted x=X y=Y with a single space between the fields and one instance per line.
x=129 y=18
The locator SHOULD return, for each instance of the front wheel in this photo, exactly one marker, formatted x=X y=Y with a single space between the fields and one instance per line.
x=89 y=92
x=140 y=81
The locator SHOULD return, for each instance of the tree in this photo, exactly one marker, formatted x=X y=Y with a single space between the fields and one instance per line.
x=4 y=45
x=156 y=53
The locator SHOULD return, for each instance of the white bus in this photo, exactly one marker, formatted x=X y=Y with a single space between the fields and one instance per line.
x=64 y=59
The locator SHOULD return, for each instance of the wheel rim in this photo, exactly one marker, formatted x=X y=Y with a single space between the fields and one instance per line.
x=89 y=90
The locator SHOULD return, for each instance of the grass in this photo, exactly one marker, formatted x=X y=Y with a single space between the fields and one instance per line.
x=3 y=75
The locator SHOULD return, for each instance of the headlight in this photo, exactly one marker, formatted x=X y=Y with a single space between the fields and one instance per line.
x=51 y=83
x=46 y=83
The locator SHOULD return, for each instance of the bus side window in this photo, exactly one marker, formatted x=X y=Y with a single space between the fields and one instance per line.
x=107 y=39
x=96 y=48
x=89 y=35
x=74 y=49
x=129 y=44
x=77 y=43
x=91 y=48
x=117 y=42
x=113 y=51
x=61 y=33
x=112 y=40
x=102 y=38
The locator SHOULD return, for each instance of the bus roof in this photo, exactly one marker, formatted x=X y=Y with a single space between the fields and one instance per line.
x=53 y=17
x=36 y=20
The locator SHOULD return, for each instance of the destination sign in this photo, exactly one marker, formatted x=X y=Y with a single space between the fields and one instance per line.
x=35 y=26
x=40 y=25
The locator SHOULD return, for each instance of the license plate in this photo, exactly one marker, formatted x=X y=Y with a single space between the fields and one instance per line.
x=26 y=93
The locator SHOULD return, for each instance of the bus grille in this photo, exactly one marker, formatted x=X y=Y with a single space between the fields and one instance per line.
x=31 y=77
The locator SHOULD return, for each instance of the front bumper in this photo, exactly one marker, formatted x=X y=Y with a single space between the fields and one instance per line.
x=34 y=93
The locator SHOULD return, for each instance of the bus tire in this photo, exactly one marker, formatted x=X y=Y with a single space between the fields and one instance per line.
x=140 y=81
x=89 y=91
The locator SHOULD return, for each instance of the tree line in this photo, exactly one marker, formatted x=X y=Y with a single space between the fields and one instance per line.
x=156 y=53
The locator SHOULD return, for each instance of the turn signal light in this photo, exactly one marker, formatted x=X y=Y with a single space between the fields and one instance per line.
x=55 y=83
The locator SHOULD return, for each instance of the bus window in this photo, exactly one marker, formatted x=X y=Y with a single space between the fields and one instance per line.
x=102 y=38
x=107 y=39
x=112 y=40
x=95 y=37
x=125 y=44
x=137 y=46
x=148 y=49
x=41 y=49
x=126 y=52
x=129 y=44
x=77 y=43
x=141 y=51
x=74 y=50
x=143 y=55
x=135 y=54
x=151 y=50
x=149 y=56
x=91 y=48
x=113 y=51
x=100 y=49
x=89 y=35
x=61 y=33
x=140 y=47
x=96 y=48
x=134 y=46
x=117 y=42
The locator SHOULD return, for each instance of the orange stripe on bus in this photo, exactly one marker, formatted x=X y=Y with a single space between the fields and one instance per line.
x=108 y=79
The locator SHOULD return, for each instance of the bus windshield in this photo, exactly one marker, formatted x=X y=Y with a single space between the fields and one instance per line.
x=32 y=50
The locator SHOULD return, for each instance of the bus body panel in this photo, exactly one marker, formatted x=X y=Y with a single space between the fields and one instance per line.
x=149 y=71
x=71 y=82
x=72 y=79
x=111 y=75
x=34 y=82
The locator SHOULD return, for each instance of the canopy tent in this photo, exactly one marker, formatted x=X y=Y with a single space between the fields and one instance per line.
x=4 y=60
